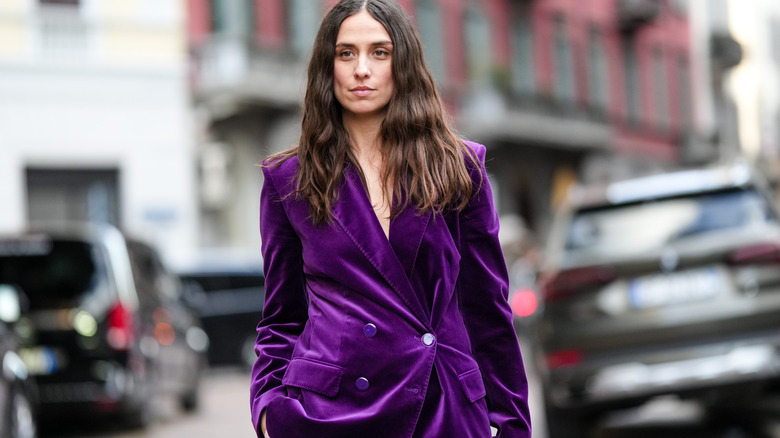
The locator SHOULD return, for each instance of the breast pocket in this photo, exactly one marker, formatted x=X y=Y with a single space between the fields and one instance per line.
x=312 y=375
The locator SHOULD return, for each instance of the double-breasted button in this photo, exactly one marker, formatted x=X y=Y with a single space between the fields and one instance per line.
x=428 y=339
x=369 y=330
x=361 y=384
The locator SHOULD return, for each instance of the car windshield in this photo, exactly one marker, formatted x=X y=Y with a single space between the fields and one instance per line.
x=640 y=228
x=52 y=273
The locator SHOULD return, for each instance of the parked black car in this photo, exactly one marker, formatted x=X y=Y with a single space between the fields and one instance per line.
x=664 y=285
x=18 y=396
x=111 y=334
x=229 y=302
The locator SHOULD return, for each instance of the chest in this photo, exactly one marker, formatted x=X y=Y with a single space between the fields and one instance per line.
x=355 y=238
x=379 y=197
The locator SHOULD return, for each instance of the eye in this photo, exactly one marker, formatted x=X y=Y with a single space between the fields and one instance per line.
x=382 y=53
x=345 y=53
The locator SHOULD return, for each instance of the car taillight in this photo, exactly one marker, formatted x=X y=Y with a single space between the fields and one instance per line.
x=571 y=281
x=767 y=252
x=524 y=303
x=564 y=358
x=120 y=327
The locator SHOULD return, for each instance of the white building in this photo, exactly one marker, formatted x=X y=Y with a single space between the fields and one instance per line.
x=95 y=120
x=755 y=82
x=737 y=87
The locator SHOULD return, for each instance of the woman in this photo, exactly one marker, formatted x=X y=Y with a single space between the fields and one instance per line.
x=385 y=311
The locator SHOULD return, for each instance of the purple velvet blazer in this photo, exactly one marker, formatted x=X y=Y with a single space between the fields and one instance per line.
x=354 y=323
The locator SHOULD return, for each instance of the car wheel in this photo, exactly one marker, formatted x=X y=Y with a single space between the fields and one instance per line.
x=22 y=417
x=248 y=356
x=190 y=400
x=141 y=416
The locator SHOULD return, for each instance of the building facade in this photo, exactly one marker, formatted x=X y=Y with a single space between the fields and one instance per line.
x=558 y=90
x=753 y=84
x=95 y=118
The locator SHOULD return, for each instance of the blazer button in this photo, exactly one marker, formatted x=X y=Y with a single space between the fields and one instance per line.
x=361 y=384
x=428 y=339
x=369 y=330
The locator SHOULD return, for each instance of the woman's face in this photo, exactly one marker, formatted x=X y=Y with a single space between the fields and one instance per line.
x=363 y=76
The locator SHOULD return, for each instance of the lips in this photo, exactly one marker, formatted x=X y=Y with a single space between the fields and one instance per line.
x=361 y=91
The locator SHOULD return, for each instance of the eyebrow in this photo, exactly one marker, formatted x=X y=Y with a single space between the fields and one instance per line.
x=378 y=43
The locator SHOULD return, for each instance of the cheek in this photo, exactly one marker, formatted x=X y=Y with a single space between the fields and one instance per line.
x=338 y=77
x=388 y=78
x=338 y=85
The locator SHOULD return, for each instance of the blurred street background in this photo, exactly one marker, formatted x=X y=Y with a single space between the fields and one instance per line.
x=151 y=116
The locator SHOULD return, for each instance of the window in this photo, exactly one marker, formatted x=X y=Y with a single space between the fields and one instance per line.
x=63 y=33
x=680 y=6
x=55 y=270
x=478 y=46
x=597 y=70
x=72 y=195
x=684 y=92
x=660 y=89
x=429 y=25
x=232 y=18
x=303 y=18
x=60 y=2
x=563 y=68
x=631 y=70
x=601 y=232
x=148 y=275
x=523 y=82
x=774 y=29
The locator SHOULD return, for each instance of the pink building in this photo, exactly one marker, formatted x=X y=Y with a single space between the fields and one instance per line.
x=559 y=90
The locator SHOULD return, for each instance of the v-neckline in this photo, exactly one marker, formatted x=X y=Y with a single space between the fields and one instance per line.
x=379 y=220
x=376 y=214
x=394 y=258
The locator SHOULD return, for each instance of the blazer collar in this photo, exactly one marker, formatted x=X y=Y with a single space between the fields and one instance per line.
x=394 y=259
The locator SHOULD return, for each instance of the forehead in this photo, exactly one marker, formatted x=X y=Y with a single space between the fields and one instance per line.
x=361 y=27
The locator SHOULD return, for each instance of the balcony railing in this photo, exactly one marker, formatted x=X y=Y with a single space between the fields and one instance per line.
x=234 y=70
x=489 y=115
x=634 y=13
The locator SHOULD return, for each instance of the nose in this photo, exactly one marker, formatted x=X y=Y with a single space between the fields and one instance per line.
x=362 y=69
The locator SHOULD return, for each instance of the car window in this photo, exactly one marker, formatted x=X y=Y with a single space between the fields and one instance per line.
x=225 y=282
x=656 y=223
x=157 y=281
x=146 y=274
x=53 y=273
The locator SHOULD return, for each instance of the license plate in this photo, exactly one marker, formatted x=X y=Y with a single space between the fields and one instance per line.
x=42 y=360
x=674 y=288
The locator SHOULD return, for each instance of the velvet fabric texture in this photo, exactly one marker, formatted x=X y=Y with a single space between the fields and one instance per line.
x=356 y=326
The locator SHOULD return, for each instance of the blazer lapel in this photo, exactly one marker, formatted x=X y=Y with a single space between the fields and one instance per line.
x=406 y=233
x=354 y=215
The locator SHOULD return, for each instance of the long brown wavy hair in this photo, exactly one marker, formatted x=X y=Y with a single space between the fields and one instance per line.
x=424 y=159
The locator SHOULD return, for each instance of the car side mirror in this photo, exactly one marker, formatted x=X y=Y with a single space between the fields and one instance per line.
x=10 y=305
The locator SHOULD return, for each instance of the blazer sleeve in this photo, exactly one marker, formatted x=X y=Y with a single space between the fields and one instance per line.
x=483 y=292
x=285 y=310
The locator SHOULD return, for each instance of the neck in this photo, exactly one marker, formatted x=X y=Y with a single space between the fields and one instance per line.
x=364 y=135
